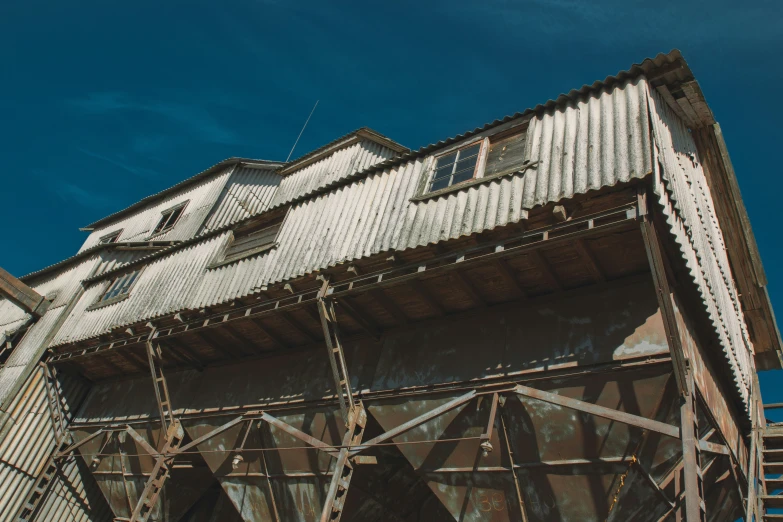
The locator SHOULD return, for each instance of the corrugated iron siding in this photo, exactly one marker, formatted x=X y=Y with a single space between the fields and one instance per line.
x=330 y=169
x=74 y=497
x=27 y=352
x=598 y=141
x=28 y=439
x=201 y=198
x=690 y=213
x=247 y=193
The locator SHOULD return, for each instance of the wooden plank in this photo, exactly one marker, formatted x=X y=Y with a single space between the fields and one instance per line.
x=390 y=306
x=590 y=260
x=422 y=293
x=21 y=294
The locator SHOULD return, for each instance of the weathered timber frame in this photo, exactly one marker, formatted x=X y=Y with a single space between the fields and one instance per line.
x=604 y=222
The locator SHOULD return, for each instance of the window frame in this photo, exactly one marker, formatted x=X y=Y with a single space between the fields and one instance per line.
x=101 y=302
x=423 y=193
x=221 y=259
x=170 y=210
x=478 y=170
x=116 y=235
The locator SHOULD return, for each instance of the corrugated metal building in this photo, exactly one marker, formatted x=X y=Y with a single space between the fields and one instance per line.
x=557 y=316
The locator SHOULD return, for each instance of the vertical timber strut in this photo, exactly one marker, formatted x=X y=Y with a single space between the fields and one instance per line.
x=170 y=428
x=695 y=509
x=353 y=413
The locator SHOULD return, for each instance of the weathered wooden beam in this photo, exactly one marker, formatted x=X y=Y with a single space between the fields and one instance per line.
x=543 y=265
x=360 y=318
x=425 y=295
x=182 y=352
x=240 y=340
x=28 y=299
x=589 y=259
x=276 y=339
x=390 y=306
x=505 y=272
x=468 y=289
x=297 y=327
x=216 y=344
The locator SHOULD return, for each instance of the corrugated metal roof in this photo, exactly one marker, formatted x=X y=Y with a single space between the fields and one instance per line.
x=331 y=169
x=690 y=214
x=227 y=163
x=138 y=226
x=247 y=193
x=594 y=142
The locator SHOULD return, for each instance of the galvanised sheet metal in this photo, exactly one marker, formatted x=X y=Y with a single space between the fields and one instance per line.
x=596 y=142
x=74 y=497
x=342 y=163
x=200 y=196
x=28 y=438
x=27 y=352
x=684 y=194
x=248 y=192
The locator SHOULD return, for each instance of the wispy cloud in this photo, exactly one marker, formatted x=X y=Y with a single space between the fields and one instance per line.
x=70 y=193
x=133 y=169
x=193 y=119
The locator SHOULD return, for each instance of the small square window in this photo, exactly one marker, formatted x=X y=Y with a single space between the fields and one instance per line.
x=120 y=286
x=455 y=167
x=110 y=238
x=168 y=219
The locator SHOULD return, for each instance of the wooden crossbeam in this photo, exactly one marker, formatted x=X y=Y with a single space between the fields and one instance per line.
x=299 y=434
x=390 y=306
x=28 y=299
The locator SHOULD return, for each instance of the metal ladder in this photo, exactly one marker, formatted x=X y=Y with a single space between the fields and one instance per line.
x=772 y=464
x=343 y=469
x=331 y=330
x=160 y=473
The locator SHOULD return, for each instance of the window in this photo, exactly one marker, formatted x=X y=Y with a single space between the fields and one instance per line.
x=168 y=219
x=119 y=287
x=506 y=153
x=455 y=167
x=249 y=242
x=110 y=238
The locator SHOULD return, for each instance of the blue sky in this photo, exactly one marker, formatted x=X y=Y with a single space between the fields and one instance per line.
x=103 y=105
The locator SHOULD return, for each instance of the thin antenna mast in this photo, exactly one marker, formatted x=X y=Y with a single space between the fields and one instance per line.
x=301 y=131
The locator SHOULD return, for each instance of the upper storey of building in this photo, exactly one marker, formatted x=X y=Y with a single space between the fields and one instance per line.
x=246 y=227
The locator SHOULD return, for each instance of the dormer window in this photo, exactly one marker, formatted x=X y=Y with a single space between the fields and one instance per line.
x=110 y=238
x=250 y=240
x=168 y=219
x=455 y=167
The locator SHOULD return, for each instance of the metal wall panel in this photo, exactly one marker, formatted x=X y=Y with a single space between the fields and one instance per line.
x=683 y=192
x=201 y=198
x=248 y=192
x=74 y=497
x=598 y=141
x=28 y=438
x=331 y=169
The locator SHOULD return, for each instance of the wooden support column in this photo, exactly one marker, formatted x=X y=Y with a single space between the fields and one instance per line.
x=28 y=299
x=695 y=508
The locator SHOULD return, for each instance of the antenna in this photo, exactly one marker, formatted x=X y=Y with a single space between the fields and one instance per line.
x=301 y=131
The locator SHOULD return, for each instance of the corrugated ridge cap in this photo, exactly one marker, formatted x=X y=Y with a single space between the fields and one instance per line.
x=274 y=165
